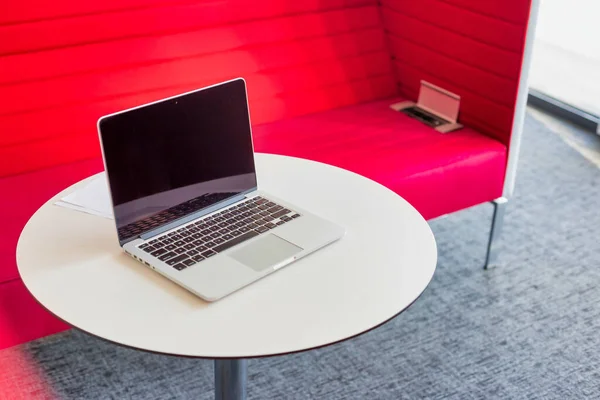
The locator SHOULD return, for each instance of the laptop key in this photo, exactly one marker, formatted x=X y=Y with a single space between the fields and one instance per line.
x=188 y=239
x=275 y=209
x=270 y=225
x=295 y=215
x=144 y=246
x=280 y=214
x=179 y=266
x=150 y=249
x=228 y=236
x=233 y=242
x=198 y=258
x=167 y=241
x=201 y=248
x=197 y=235
x=179 y=243
x=158 y=252
x=235 y=233
x=189 y=246
x=170 y=247
x=180 y=250
x=166 y=256
x=189 y=262
x=218 y=240
x=192 y=252
x=177 y=259
x=210 y=244
x=280 y=223
x=208 y=253
x=261 y=229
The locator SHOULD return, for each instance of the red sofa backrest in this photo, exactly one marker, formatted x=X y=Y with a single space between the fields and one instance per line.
x=64 y=64
x=471 y=47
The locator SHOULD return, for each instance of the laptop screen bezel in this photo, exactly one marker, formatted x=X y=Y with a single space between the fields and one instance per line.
x=195 y=214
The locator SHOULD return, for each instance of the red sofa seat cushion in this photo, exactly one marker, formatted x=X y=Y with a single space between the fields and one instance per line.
x=437 y=173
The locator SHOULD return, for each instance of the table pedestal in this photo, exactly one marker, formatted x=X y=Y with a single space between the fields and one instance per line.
x=230 y=379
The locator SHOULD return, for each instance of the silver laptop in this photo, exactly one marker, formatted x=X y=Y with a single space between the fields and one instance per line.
x=185 y=195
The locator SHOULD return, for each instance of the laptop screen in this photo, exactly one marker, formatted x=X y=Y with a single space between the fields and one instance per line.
x=170 y=159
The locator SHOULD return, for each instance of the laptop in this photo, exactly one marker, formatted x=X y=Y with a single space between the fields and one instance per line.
x=185 y=195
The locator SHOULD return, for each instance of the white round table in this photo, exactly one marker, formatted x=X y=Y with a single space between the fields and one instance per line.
x=72 y=264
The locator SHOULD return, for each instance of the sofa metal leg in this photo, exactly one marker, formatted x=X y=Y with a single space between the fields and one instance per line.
x=497 y=222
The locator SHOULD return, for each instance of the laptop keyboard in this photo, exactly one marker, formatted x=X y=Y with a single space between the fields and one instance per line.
x=171 y=214
x=200 y=240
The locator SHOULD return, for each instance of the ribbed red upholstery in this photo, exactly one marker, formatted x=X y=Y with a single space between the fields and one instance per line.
x=59 y=74
x=320 y=73
x=471 y=47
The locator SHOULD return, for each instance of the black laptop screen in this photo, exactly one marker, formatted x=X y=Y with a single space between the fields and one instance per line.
x=171 y=159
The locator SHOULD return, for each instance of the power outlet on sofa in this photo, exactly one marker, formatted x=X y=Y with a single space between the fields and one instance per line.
x=436 y=107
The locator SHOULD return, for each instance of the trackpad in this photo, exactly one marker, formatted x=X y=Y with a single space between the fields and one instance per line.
x=266 y=252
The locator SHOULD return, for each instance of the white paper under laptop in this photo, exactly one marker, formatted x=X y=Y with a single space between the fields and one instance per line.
x=92 y=198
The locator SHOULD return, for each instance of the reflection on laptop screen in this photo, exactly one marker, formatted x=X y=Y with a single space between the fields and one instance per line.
x=170 y=159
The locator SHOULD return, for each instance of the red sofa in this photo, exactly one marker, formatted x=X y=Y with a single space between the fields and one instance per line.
x=321 y=75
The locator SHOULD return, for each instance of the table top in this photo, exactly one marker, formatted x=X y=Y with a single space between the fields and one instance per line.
x=72 y=264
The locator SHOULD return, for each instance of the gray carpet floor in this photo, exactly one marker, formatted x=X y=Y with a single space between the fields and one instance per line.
x=529 y=329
